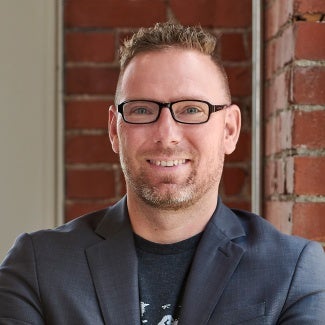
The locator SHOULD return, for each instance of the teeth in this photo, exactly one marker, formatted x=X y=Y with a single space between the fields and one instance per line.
x=168 y=163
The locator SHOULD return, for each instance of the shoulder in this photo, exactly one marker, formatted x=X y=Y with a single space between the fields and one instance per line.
x=250 y=229
x=81 y=228
x=256 y=226
x=283 y=255
x=79 y=233
x=72 y=236
x=270 y=243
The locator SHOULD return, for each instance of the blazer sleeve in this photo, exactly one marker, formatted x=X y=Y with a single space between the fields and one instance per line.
x=19 y=291
x=305 y=303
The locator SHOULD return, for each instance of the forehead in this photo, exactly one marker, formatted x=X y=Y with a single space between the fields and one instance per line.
x=172 y=74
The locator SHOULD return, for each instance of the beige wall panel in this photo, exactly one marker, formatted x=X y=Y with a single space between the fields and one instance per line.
x=27 y=118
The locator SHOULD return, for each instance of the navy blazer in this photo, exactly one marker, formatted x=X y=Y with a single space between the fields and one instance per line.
x=85 y=272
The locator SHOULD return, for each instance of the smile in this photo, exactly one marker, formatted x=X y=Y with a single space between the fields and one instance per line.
x=168 y=163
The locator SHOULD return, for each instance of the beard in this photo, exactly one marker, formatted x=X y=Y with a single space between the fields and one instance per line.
x=168 y=193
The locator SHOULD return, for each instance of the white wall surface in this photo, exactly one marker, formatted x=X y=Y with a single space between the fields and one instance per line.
x=28 y=118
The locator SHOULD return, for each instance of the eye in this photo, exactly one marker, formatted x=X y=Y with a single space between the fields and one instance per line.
x=137 y=109
x=192 y=110
x=141 y=110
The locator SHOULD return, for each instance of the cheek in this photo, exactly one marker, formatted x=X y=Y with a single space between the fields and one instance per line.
x=213 y=139
x=129 y=139
x=213 y=151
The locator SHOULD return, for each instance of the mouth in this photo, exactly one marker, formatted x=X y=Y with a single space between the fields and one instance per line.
x=168 y=163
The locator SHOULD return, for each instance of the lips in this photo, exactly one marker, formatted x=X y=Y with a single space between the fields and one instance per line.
x=168 y=163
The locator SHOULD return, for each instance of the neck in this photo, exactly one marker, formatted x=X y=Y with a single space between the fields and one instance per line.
x=169 y=226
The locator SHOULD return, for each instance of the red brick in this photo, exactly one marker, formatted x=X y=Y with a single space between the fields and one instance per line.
x=239 y=80
x=277 y=14
x=289 y=182
x=274 y=180
x=309 y=129
x=269 y=67
x=213 y=13
x=309 y=6
x=91 y=80
x=279 y=213
x=243 y=149
x=279 y=52
x=90 y=114
x=90 y=184
x=238 y=204
x=278 y=133
x=268 y=178
x=308 y=85
x=278 y=177
x=89 y=47
x=307 y=47
x=233 y=180
x=270 y=26
x=309 y=220
x=270 y=137
x=89 y=149
x=246 y=113
x=77 y=208
x=284 y=130
x=234 y=47
x=309 y=176
x=114 y=13
x=276 y=93
x=250 y=44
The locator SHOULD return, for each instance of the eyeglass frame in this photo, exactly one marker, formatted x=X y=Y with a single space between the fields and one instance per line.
x=212 y=109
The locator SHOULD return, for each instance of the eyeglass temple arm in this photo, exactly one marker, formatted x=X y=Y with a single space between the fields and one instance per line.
x=215 y=108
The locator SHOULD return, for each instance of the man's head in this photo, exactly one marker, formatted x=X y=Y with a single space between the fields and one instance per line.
x=168 y=163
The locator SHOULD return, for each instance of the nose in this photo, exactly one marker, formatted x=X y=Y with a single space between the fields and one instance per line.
x=166 y=130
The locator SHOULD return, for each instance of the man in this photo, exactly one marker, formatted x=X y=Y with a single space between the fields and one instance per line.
x=169 y=252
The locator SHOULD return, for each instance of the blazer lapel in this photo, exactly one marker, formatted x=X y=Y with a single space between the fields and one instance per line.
x=113 y=266
x=215 y=261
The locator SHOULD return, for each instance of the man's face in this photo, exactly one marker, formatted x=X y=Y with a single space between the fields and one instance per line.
x=167 y=164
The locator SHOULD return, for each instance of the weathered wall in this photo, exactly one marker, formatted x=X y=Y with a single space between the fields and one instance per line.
x=294 y=114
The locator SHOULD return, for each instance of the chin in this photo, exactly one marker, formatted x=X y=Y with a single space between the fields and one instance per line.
x=171 y=200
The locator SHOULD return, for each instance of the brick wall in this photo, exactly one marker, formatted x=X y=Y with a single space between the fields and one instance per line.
x=294 y=114
x=93 y=30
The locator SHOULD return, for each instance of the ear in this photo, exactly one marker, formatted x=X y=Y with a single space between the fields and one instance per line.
x=232 y=128
x=112 y=128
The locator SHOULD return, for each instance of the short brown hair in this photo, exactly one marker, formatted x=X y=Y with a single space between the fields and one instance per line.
x=170 y=35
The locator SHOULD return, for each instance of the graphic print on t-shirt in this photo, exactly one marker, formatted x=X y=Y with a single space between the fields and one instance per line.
x=167 y=319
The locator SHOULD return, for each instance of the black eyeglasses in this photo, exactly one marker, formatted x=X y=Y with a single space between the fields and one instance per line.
x=182 y=111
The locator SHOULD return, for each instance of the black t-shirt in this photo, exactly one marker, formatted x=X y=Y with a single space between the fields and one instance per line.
x=163 y=271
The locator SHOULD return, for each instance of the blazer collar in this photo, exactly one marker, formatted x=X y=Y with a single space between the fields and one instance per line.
x=113 y=266
x=215 y=260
